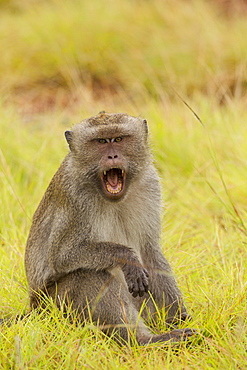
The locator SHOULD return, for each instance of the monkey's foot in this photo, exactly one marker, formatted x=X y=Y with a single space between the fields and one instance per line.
x=174 y=336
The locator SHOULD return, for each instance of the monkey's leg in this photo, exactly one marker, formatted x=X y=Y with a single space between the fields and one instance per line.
x=166 y=293
x=106 y=300
x=164 y=289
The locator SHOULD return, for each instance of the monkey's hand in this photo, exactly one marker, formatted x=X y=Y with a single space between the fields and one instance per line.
x=136 y=278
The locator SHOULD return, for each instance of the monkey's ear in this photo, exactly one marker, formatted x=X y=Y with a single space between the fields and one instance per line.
x=145 y=124
x=68 y=136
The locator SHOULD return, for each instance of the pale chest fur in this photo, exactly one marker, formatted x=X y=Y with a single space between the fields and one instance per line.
x=128 y=223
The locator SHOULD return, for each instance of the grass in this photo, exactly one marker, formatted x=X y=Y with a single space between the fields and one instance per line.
x=134 y=46
x=51 y=77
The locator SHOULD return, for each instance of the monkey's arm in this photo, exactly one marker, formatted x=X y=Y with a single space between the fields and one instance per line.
x=68 y=253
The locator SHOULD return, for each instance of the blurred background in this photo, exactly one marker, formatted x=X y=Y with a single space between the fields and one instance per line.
x=63 y=53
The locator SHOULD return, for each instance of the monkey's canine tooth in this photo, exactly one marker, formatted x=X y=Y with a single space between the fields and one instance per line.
x=104 y=173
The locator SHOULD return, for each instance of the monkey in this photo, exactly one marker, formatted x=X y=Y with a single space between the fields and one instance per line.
x=94 y=239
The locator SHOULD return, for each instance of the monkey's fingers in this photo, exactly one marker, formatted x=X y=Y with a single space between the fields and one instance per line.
x=146 y=285
x=177 y=335
x=181 y=334
x=142 y=286
x=130 y=286
x=145 y=282
x=136 y=279
x=136 y=289
x=146 y=273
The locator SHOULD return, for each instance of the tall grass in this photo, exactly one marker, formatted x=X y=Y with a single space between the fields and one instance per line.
x=201 y=237
x=79 y=58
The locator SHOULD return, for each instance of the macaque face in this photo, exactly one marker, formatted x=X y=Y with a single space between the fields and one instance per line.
x=109 y=155
x=113 y=166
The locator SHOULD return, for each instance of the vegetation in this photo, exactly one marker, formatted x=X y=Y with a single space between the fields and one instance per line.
x=170 y=62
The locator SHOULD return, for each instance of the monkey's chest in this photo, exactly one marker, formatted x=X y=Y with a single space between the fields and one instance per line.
x=118 y=229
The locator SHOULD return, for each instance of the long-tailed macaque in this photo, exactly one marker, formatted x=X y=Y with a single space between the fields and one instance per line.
x=94 y=239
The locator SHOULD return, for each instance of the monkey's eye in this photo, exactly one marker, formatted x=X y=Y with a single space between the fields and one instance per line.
x=102 y=141
x=118 y=139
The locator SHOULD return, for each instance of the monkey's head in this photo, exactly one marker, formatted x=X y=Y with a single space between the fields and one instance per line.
x=109 y=151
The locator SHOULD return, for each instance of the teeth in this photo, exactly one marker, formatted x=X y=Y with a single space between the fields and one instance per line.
x=122 y=171
x=115 y=191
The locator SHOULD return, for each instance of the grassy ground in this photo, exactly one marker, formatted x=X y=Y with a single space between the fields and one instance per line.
x=65 y=61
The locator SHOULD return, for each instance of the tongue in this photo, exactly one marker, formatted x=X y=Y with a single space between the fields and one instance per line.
x=112 y=177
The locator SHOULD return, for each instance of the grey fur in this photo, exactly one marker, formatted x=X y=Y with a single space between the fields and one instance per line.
x=93 y=251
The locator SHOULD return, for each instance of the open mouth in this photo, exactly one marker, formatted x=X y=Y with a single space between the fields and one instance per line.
x=113 y=182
